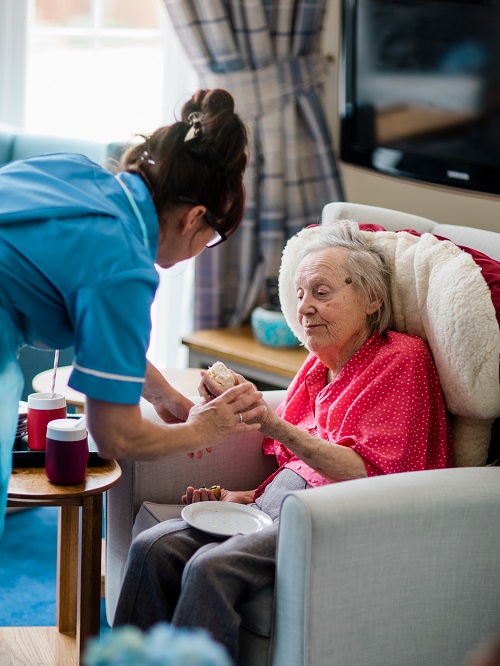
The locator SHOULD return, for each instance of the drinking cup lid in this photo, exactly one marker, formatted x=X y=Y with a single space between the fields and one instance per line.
x=46 y=401
x=64 y=430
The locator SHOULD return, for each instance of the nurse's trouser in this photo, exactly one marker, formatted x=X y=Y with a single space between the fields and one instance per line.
x=11 y=386
x=176 y=573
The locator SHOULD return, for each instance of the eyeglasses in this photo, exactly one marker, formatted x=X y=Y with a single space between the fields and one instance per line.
x=218 y=236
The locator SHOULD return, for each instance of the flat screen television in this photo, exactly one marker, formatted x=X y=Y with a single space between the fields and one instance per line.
x=420 y=90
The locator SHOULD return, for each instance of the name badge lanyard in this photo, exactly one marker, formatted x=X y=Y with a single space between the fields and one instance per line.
x=137 y=212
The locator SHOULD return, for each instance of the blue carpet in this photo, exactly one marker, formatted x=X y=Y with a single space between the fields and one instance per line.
x=28 y=556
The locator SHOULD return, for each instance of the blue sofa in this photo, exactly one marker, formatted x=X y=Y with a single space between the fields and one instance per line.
x=16 y=144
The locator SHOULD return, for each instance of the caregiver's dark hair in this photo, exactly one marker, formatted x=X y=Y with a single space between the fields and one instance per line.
x=202 y=157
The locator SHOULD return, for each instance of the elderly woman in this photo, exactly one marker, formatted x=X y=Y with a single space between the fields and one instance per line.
x=367 y=401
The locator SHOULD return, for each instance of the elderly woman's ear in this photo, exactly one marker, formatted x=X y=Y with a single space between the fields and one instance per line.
x=373 y=306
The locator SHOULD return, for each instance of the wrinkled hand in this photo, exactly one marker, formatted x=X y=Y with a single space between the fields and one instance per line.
x=266 y=414
x=210 y=389
x=220 y=418
x=171 y=412
x=177 y=412
x=207 y=495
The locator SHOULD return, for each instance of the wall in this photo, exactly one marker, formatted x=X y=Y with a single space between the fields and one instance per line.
x=445 y=205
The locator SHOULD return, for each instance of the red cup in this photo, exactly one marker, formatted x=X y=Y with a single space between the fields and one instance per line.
x=67 y=452
x=42 y=408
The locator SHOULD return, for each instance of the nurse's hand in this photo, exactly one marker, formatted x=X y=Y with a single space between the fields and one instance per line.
x=171 y=411
x=227 y=414
x=170 y=405
x=209 y=389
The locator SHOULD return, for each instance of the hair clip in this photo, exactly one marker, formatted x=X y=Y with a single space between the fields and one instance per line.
x=145 y=158
x=194 y=119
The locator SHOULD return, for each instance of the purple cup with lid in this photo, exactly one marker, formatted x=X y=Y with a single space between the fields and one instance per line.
x=67 y=452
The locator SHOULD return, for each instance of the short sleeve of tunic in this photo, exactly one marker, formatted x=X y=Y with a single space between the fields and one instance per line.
x=113 y=322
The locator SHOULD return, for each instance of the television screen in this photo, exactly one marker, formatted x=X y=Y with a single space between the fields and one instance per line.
x=420 y=89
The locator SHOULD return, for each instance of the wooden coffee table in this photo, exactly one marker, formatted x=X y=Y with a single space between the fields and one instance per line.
x=78 y=565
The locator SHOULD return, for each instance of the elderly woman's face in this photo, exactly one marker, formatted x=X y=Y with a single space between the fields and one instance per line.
x=331 y=312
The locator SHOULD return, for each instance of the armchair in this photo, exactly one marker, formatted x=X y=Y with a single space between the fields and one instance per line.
x=386 y=570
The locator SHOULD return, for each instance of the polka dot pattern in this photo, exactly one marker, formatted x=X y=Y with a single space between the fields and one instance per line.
x=386 y=404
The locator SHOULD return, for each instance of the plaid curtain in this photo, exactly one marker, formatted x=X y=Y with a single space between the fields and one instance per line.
x=267 y=54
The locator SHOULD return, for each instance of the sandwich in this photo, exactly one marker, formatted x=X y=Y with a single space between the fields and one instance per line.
x=220 y=374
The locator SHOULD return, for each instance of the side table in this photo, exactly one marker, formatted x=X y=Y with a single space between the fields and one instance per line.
x=268 y=367
x=78 y=565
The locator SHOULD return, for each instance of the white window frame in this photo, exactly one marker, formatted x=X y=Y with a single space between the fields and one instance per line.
x=13 y=34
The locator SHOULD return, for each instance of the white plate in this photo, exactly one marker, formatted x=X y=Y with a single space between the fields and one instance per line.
x=225 y=518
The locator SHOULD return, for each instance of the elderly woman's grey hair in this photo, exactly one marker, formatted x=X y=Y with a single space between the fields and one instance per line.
x=366 y=264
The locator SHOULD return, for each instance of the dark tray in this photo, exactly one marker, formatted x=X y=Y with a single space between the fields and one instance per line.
x=23 y=456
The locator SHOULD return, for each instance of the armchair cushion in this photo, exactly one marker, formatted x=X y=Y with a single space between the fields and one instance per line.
x=151 y=513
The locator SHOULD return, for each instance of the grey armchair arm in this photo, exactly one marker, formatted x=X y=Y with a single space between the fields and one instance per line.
x=398 y=569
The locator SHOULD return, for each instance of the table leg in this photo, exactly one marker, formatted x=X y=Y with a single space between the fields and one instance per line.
x=89 y=606
x=67 y=569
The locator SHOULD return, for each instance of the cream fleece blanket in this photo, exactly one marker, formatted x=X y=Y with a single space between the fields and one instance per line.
x=439 y=294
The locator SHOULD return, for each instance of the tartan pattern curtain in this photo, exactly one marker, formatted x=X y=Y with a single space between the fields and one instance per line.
x=266 y=54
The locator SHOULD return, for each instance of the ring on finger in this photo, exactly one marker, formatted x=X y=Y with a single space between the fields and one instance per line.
x=240 y=415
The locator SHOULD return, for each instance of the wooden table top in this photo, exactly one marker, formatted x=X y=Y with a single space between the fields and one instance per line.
x=42 y=383
x=31 y=483
x=240 y=346
x=185 y=380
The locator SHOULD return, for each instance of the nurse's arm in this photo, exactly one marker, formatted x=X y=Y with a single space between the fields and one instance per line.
x=170 y=405
x=120 y=431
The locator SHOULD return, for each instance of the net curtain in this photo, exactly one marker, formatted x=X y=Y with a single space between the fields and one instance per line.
x=267 y=54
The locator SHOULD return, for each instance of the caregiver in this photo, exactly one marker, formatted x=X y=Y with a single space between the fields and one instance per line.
x=78 y=247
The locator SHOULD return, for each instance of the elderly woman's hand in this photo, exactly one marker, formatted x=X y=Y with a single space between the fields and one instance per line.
x=210 y=389
x=208 y=495
x=226 y=414
x=267 y=413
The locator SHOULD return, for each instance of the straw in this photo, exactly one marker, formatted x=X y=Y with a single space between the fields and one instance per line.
x=56 y=361
x=80 y=421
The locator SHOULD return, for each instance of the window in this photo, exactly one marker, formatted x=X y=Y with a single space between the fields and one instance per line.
x=94 y=67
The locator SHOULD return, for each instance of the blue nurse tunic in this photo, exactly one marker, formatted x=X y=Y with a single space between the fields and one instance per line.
x=77 y=252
